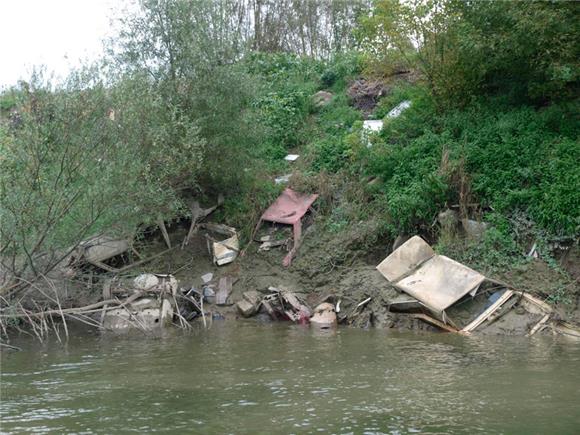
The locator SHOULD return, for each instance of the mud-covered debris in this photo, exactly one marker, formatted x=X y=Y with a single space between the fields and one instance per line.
x=152 y=305
x=224 y=290
x=324 y=316
x=269 y=242
x=223 y=251
x=156 y=283
x=246 y=309
x=435 y=280
x=144 y=314
x=462 y=300
x=282 y=304
x=364 y=94
x=253 y=297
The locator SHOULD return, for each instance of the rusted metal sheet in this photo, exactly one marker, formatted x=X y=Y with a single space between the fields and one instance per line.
x=289 y=208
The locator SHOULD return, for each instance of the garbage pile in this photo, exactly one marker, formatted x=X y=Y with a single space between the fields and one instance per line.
x=455 y=298
x=423 y=290
x=156 y=300
x=282 y=304
x=151 y=302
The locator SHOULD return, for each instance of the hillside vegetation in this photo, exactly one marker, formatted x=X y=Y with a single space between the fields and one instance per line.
x=195 y=100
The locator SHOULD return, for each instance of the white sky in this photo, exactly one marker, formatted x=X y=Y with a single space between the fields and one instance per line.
x=54 y=33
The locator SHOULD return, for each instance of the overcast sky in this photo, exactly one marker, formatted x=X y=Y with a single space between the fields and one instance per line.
x=55 y=33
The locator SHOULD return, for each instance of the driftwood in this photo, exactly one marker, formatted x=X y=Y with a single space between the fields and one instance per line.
x=98 y=306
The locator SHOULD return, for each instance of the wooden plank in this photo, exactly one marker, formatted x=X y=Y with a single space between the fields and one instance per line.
x=538 y=325
x=539 y=303
x=487 y=313
x=435 y=322
x=566 y=328
x=224 y=290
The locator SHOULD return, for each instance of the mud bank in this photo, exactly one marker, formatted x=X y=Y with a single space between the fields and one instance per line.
x=329 y=268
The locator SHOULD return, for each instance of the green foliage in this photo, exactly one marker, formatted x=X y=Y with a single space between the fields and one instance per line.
x=340 y=68
x=278 y=68
x=8 y=101
x=84 y=160
x=283 y=114
x=497 y=251
x=527 y=51
x=330 y=154
x=517 y=159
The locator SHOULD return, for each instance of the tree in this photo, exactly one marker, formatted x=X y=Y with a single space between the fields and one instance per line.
x=464 y=48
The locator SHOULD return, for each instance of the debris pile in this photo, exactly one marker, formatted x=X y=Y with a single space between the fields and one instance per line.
x=278 y=303
x=223 y=251
x=364 y=94
x=150 y=303
x=455 y=298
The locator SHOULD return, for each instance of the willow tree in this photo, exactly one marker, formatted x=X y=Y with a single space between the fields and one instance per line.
x=188 y=52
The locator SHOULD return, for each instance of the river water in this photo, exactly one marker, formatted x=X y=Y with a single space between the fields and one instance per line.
x=253 y=378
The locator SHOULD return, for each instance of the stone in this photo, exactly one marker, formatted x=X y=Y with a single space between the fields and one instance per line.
x=448 y=219
x=474 y=229
x=246 y=308
x=321 y=98
x=324 y=316
x=253 y=297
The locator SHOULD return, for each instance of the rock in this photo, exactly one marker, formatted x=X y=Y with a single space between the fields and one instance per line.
x=324 y=315
x=146 y=281
x=321 y=98
x=474 y=229
x=207 y=277
x=150 y=282
x=248 y=306
x=448 y=218
x=209 y=294
x=245 y=308
x=253 y=297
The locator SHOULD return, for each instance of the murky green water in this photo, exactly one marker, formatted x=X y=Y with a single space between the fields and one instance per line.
x=247 y=378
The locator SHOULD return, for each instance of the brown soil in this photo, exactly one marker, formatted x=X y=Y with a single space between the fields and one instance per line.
x=329 y=266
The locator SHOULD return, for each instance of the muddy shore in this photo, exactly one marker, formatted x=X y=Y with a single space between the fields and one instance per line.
x=329 y=267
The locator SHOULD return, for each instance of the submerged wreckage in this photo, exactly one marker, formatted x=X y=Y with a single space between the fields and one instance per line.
x=455 y=298
x=420 y=288
x=433 y=289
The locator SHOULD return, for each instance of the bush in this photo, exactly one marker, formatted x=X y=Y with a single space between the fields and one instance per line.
x=513 y=159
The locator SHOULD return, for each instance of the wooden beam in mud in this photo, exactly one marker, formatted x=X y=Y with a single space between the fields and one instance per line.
x=435 y=322
x=539 y=325
x=487 y=313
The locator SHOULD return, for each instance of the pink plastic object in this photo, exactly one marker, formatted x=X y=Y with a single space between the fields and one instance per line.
x=289 y=209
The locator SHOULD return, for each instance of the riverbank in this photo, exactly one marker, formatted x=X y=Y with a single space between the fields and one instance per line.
x=313 y=275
